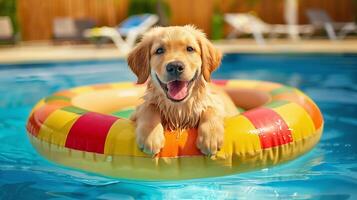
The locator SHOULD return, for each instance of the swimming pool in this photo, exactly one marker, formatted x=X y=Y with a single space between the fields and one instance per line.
x=329 y=171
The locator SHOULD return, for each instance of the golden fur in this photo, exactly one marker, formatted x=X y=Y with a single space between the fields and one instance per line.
x=205 y=106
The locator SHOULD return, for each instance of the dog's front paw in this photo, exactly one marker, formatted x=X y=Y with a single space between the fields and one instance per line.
x=210 y=137
x=150 y=139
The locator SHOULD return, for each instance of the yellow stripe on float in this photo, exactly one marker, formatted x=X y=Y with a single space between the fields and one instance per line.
x=121 y=140
x=242 y=84
x=83 y=89
x=268 y=86
x=125 y=85
x=57 y=126
x=240 y=138
x=298 y=120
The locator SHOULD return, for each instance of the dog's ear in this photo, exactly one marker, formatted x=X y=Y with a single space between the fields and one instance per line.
x=211 y=57
x=139 y=61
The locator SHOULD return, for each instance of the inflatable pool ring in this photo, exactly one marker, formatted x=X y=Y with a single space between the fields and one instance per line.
x=86 y=128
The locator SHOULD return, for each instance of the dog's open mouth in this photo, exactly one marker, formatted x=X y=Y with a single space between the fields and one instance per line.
x=177 y=90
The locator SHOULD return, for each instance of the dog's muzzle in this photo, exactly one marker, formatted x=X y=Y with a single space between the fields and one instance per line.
x=177 y=90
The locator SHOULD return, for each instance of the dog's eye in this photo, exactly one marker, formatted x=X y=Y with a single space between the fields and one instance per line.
x=190 y=49
x=159 y=51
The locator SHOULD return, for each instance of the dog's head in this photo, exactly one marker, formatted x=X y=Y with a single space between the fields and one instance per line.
x=175 y=58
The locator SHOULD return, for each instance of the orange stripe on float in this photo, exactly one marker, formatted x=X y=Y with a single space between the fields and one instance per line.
x=268 y=86
x=39 y=116
x=180 y=144
x=65 y=93
x=38 y=105
x=121 y=141
x=310 y=107
x=101 y=86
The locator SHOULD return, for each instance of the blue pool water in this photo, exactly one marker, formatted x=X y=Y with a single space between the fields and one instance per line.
x=329 y=171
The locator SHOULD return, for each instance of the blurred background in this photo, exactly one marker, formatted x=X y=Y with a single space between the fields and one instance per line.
x=48 y=26
x=34 y=20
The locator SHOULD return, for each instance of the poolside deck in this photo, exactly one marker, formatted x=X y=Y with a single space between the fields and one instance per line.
x=45 y=52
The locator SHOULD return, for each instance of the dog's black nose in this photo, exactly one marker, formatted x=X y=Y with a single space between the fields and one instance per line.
x=175 y=68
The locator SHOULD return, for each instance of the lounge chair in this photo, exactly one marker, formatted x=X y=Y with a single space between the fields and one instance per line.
x=335 y=30
x=245 y=23
x=6 y=30
x=69 y=29
x=126 y=33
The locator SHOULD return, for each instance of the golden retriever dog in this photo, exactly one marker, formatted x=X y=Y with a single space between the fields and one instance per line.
x=177 y=62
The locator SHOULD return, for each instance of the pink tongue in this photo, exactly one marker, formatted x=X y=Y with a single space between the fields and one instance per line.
x=177 y=89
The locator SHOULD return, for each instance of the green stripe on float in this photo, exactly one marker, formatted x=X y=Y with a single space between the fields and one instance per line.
x=124 y=113
x=240 y=110
x=281 y=90
x=74 y=109
x=56 y=98
x=275 y=104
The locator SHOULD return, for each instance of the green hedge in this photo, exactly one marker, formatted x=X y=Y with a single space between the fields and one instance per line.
x=8 y=8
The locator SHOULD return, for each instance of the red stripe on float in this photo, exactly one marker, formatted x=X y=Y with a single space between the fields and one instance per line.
x=220 y=82
x=89 y=132
x=32 y=126
x=273 y=131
